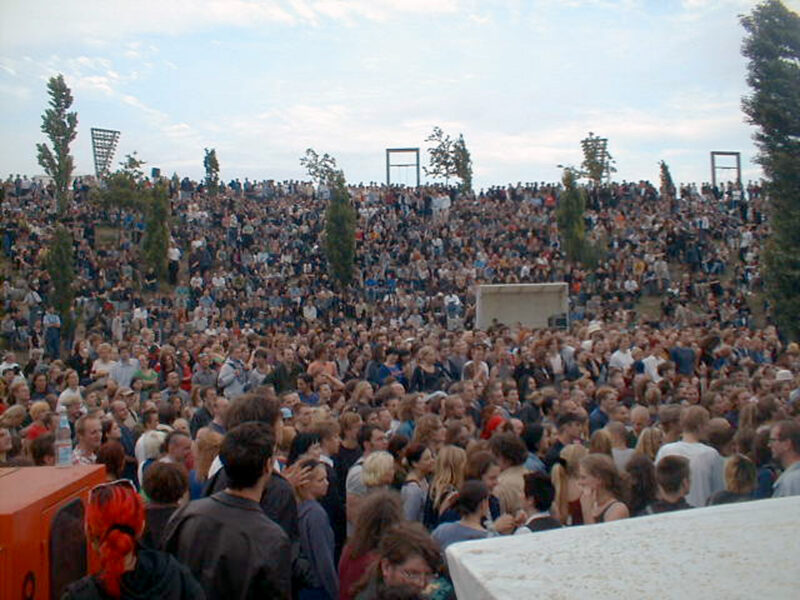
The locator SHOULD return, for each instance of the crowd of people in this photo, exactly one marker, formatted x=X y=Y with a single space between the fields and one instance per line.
x=265 y=432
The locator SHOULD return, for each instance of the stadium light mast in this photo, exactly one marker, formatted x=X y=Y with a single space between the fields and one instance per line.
x=104 y=144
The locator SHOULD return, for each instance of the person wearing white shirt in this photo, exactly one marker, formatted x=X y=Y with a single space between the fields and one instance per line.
x=705 y=463
x=622 y=357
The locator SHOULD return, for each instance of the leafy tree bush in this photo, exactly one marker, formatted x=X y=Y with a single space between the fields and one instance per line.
x=772 y=46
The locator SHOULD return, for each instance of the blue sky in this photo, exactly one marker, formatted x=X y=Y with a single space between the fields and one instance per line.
x=524 y=81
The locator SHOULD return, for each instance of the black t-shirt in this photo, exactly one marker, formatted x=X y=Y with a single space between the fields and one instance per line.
x=552 y=454
x=344 y=459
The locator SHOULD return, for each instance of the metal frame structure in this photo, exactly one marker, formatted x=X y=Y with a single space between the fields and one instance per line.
x=715 y=168
x=389 y=165
x=104 y=144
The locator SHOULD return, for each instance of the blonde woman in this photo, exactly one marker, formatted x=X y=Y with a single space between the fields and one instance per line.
x=362 y=394
x=378 y=471
x=428 y=376
x=650 y=440
x=565 y=475
x=448 y=475
x=600 y=442
x=206 y=449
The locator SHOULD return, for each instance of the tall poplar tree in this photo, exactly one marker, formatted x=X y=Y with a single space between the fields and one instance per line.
x=772 y=46
x=569 y=215
x=340 y=215
x=60 y=126
x=211 y=165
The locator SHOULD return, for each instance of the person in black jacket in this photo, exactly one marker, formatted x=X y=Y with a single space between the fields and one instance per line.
x=277 y=500
x=227 y=541
x=115 y=519
x=539 y=496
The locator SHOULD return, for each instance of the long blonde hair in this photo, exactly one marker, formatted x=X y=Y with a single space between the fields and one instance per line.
x=650 y=440
x=208 y=443
x=563 y=471
x=449 y=473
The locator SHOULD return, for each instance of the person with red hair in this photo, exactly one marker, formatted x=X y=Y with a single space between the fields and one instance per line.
x=115 y=519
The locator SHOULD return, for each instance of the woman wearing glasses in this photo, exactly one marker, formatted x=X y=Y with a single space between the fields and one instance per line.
x=407 y=556
x=115 y=519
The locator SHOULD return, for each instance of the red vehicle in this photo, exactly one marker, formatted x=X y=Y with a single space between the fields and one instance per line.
x=43 y=543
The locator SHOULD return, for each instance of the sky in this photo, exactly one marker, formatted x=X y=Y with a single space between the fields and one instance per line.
x=261 y=81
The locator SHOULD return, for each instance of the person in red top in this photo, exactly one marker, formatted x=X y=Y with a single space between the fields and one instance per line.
x=378 y=512
x=40 y=414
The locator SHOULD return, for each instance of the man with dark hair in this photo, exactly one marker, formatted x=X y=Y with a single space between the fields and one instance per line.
x=511 y=454
x=232 y=548
x=532 y=436
x=305 y=389
x=539 y=496
x=203 y=415
x=278 y=500
x=784 y=440
x=673 y=476
x=570 y=427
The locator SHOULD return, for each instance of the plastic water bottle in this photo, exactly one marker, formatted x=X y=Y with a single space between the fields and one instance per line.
x=63 y=445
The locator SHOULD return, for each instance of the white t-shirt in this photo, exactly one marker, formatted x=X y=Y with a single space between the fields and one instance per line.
x=705 y=465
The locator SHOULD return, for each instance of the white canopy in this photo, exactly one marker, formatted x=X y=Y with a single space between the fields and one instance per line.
x=747 y=550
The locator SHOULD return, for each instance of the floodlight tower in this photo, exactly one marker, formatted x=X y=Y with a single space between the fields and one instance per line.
x=104 y=144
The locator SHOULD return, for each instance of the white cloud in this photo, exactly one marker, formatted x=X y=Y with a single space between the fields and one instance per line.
x=103 y=21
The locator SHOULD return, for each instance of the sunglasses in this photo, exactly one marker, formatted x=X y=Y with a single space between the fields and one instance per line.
x=99 y=490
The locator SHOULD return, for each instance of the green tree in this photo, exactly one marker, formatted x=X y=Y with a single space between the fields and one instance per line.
x=211 y=165
x=463 y=163
x=440 y=156
x=569 y=215
x=449 y=158
x=598 y=164
x=60 y=260
x=340 y=215
x=60 y=126
x=124 y=188
x=340 y=232
x=155 y=244
x=667 y=185
x=772 y=46
x=321 y=169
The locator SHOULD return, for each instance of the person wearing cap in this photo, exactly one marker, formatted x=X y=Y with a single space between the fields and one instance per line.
x=784 y=384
